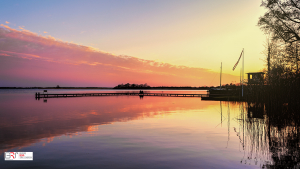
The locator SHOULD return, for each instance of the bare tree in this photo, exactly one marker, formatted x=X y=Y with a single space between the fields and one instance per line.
x=271 y=53
x=292 y=56
x=282 y=19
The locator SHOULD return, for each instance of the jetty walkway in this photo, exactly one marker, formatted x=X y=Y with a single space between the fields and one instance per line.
x=43 y=95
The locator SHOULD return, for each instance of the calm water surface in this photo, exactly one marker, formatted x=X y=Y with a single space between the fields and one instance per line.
x=128 y=132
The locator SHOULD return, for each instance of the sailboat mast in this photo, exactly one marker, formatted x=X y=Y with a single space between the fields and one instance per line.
x=221 y=76
x=243 y=74
x=240 y=76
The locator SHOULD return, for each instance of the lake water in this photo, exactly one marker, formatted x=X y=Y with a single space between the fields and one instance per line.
x=130 y=132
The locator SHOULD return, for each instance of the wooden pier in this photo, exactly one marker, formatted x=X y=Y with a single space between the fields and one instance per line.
x=43 y=95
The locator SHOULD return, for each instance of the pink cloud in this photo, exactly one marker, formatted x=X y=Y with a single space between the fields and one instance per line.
x=4 y=54
x=45 y=59
x=19 y=54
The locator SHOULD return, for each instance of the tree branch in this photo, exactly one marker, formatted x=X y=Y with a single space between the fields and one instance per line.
x=294 y=4
x=292 y=31
x=286 y=15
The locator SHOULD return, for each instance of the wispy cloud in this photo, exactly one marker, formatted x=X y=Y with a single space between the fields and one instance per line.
x=4 y=54
x=40 y=58
x=6 y=22
x=18 y=54
x=45 y=32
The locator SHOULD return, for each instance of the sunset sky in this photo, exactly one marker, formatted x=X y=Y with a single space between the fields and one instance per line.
x=108 y=42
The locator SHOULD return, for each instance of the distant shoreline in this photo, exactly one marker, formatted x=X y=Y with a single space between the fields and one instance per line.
x=56 y=88
x=151 y=88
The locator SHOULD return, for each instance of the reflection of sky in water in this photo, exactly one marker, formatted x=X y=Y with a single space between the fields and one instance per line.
x=121 y=132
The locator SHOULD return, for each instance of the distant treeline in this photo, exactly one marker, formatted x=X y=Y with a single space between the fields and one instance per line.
x=57 y=87
x=145 y=86
x=121 y=86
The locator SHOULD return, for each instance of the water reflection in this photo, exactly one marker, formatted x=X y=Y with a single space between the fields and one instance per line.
x=207 y=134
x=24 y=121
x=270 y=135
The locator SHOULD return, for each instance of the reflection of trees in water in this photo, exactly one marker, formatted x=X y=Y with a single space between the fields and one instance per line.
x=284 y=146
x=253 y=138
x=284 y=134
x=270 y=135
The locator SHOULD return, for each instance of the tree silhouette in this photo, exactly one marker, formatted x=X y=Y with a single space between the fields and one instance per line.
x=282 y=19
